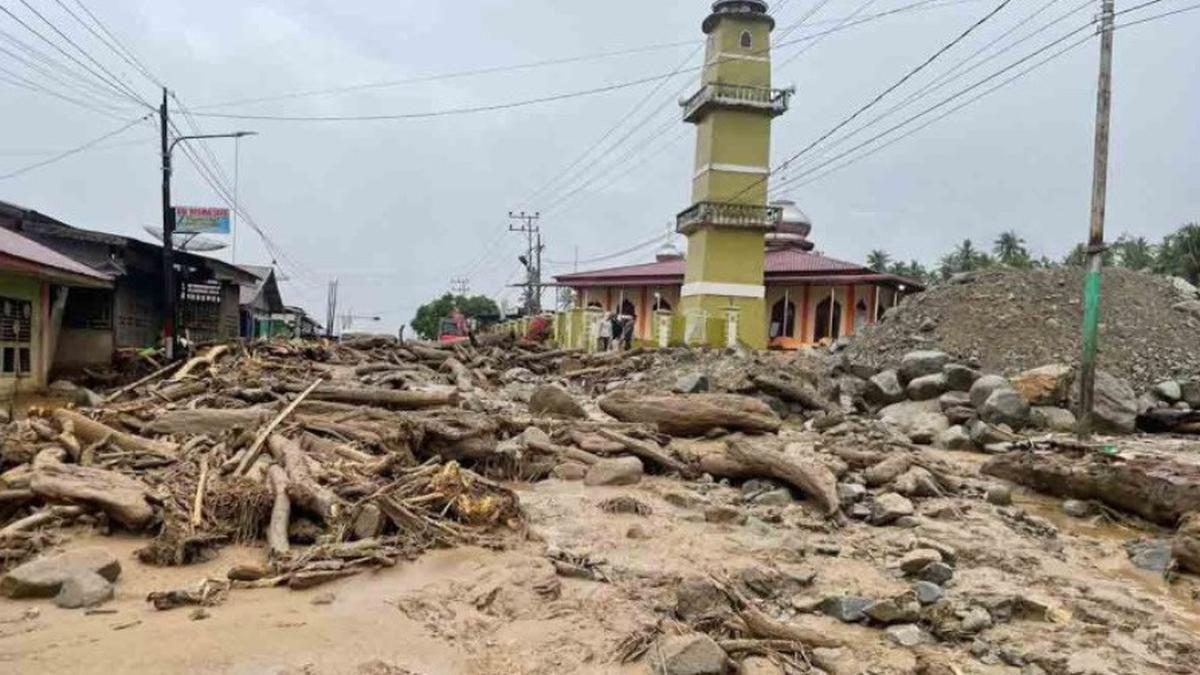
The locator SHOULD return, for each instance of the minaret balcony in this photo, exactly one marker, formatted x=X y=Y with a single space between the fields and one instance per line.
x=718 y=95
x=727 y=214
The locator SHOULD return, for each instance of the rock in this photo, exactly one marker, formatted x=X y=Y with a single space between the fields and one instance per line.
x=570 y=471
x=758 y=665
x=983 y=388
x=949 y=553
x=859 y=512
x=619 y=471
x=44 y=577
x=699 y=599
x=888 y=470
x=1186 y=548
x=86 y=398
x=983 y=434
x=928 y=593
x=1044 y=386
x=837 y=661
x=960 y=378
x=1153 y=555
x=1169 y=391
x=249 y=572
x=975 y=620
x=86 y=589
x=906 y=635
x=927 y=427
x=906 y=522
x=1182 y=405
x=777 y=497
x=845 y=608
x=937 y=573
x=916 y=482
x=915 y=561
x=889 y=507
x=1052 y=419
x=1000 y=495
x=954 y=438
x=894 y=611
x=1115 y=404
x=1184 y=288
x=692 y=383
x=1005 y=406
x=725 y=514
x=1189 y=307
x=369 y=522
x=637 y=532
x=1190 y=391
x=960 y=415
x=919 y=364
x=850 y=493
x=954 y=399
x=884 y=389
x=691 y=654
x=324 y=599
x=926 y=387
x=553 y=400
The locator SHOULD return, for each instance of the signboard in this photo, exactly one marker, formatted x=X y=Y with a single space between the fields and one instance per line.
x=201 y=220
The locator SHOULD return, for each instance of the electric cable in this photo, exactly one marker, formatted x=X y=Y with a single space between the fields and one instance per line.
x=73 y=151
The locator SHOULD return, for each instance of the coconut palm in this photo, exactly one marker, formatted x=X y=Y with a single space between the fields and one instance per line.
x=1010 y=250
x=1179 y=254
x=879 y=260
x=1136 y=253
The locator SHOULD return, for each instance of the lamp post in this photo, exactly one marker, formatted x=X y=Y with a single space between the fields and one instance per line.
x=170 y=293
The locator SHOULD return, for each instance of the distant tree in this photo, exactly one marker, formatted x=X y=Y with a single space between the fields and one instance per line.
x=879 y=260
x=1011 y=251
x=1135 y=253
x=911 y=270
x=964 y=258
x=428 y=320
x=1078 y=257
x=1179 y=254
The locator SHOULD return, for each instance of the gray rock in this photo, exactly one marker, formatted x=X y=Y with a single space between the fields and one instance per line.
x=699 y=599
x=1115 y=404
x=937 y=573
x=954 y=399
x=691 y=654
x=1153 y=555
x=553 y=400
x=1000 y=495
x=369 y=522
x=620 y=471
x=1182 y=405
x=926 y=428
x=919 y=364
x=960 y=415
x=86 y=589
x=906 y=635
x=1005 y=406
x=983 y=388
x=894 y=611
x=1147 y=402
x=846 y=608
x=928 y=593
x=906 y=522
x=983 y=434
x=850 y=493
x=692 y=383
x=1189 y=307
x=724 y=514
x=859 y=511
x=884 y=388
x=5 y=416
x=1052 y=419
x=915 y=561
x=840 y=661
x=1169 y=391
x=1184 y=288
x=1190 y=392
x=926 y=387
x=954 y=438
x=44 y=577
x=889 y=507
x=976 y=619
x=959 y=377
x=904 y=414
x=758 y=665
x=570 y=471
x=778 y=497
x=86 y=398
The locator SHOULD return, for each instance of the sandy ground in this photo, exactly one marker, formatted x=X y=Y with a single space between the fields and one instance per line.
x=481 y=611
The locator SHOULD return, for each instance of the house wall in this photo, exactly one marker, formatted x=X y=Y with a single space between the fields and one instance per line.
x=25 y=289
x=137 y=314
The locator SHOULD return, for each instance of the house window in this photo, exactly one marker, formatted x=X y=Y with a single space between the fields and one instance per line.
x=747 y=40
x=16 y=337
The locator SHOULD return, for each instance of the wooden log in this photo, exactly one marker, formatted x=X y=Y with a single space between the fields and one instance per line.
x=180 y=390
x=281 y=509
x=207 y=421
x=811 y=477
x=462 y=376
x=538 y=357
x=562 y=451
x=796 y=392
x=122 y=498
x=256 y=447
x=649 y=452
x=1159 y=488
x=303 y=489
x=315 y=444
x=763 y=626
x=201 y=487
x=16 y=496
x=429 y=353
x=693 y=414
x=91 y=431
x=387 y=398
x=143 y=381
x=44 y=516
x=207 y=360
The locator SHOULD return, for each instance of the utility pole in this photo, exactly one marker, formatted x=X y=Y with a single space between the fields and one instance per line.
x=532 y=260
x=460 y=285
x=331 y=308
x=1096 y=247
x=168 y=214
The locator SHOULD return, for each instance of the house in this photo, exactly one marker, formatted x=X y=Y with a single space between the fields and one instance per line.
x=810 y=298
x=259 y=303
x=36 y=284
x=98 y=321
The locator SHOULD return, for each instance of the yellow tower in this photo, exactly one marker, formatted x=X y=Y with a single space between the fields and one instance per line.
x=723 y=286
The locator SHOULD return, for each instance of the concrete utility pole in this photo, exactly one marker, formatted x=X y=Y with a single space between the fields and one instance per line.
x=168 y=215
x=1096 y=246
x=331 y=308
x=532 y=260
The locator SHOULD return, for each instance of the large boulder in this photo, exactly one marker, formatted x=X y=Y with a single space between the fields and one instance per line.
x=884 y=388
x=1006 y=406
x=1185 y=288
x=1169 y=391
x=983 y=388
x=921 y=421
x=1189 y=307
x=44 y=577
x=1052 y=419
x=927 y=387
x=919 y=364
x=619 y=471
x=86 y=589
x=1115 y=404
x=1046 y=385
x=954 y=438
x=553 y=400
x=960 y=377
x=691 y=654
x=1190 y=392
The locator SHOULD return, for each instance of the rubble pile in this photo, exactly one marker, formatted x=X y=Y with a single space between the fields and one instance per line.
x=1008 y=321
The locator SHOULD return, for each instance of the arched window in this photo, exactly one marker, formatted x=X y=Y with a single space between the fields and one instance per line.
x=747 y=40
x=664 y=304
x=860 y=315
x=828 y=320
x=783 y=319
x=627 y=309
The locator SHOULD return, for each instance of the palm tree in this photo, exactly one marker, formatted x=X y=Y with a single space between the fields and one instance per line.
x=879 y=260
x=1135 y=253
x=1010 y=250
x=1179 y=254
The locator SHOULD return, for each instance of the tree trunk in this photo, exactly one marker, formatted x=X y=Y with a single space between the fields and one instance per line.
x=91 y=431
x=207 y=421
x=812 y=478
x=388 y=398
x=121 y=497
x=796 y=392
x=302 y=487
x=277 y=531
x=694 y=414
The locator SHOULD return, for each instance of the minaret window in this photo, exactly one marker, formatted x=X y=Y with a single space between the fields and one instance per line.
x=747 y=40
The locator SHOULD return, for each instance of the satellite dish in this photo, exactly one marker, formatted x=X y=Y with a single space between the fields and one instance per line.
x=192 y=243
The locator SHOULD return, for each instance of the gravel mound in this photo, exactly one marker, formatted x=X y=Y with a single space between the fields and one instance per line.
x=1007 y=321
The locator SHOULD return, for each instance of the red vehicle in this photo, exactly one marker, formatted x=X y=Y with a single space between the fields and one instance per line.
x=454 y=328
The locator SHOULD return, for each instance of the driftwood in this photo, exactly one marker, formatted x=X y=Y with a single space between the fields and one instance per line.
x=537 y=357
x=1158 y=488
x=462 y=376
x=563 y=452
x=1187 y=543
x=387 y=398
x=41 y=517
x=814 y=479
x=206 y=421
x=761 y=625
x=91 y=431
x=277 y=531
x=207 y=360
x=649 y=452
x=121 y=497
x=303 y=489
x=693 y=414
x=180 y=390
x=256 y=447
x=143 y=381
x=1167 y=420
x=796 y=392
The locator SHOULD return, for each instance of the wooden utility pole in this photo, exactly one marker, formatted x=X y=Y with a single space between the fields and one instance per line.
x=1096 y=246
x=168 y=251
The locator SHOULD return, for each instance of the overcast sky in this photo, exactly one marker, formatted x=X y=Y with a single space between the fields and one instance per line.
x=396 y=208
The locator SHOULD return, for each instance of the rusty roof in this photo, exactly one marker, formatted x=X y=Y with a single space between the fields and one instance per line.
x=43 y=261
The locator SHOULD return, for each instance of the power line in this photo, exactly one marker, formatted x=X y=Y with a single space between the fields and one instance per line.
x=791 y=59
x=83 y=80
x=72 y=151
x=617 y=254
x=116 y=45
x=16 y=80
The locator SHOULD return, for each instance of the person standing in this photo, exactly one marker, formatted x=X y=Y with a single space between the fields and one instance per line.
x=606 y=332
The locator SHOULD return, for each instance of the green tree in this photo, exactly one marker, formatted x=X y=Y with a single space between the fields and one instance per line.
x=1011 y=251
x=1078 y=257
x=911 y=270
x=1179 y=254
x=879 y=260
x=964 y=258
x=1135 y=253
x=428 y=320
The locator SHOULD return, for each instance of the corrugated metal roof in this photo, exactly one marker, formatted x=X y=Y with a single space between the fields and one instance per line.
x=786 y=261
x=31 y=251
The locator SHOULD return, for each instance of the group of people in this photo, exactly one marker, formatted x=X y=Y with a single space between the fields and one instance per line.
x=616 y=331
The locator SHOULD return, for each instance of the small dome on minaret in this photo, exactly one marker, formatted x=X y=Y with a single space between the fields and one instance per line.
x=668 y=252
x=720 y=8
x=793 y=228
